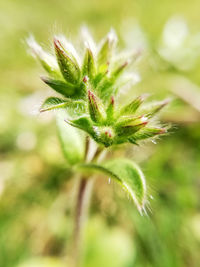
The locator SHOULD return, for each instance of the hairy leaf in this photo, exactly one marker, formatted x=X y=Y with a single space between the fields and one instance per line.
x=57 y=103
x=84 y=123
x=146 y=133
x=127 y=174
x=60 y=86
x=132 y=106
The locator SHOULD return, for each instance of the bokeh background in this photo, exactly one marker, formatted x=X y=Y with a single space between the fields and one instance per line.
x=37 y=194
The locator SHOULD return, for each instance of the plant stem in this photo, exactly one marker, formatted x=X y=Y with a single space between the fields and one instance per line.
x=82 y=207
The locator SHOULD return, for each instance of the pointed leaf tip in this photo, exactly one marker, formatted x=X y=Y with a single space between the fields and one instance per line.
x=67 y=64
x=127 y=174
x=96 y=108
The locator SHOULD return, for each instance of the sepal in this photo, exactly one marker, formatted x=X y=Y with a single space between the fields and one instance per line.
x=69 y=68
x=96 y=108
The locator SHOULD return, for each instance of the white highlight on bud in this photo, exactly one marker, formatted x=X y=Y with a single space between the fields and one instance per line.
x=38 y=52
x=112 y=36
x=88 y=39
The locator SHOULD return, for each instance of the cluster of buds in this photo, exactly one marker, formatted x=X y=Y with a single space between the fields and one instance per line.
x=90 y=88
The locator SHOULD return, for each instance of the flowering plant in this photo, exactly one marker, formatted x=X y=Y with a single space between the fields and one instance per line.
x=90 y=109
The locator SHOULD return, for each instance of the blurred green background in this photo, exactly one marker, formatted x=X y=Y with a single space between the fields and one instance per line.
x=37 y=194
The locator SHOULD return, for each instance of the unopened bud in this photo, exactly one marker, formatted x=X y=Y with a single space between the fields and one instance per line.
x=129 y=128
x=96 y=109
x=133 y=106
x=68 y=66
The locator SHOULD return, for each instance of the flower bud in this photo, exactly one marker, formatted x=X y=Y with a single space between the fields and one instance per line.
x=156 y=108
x=68 y=66
x=133 y=106
x=106 y=49
x=89 y=67
x=104 y=135
x=129 y=128
x=147 y=132
x=118 y=71
x=96 y=109
x=110 y=109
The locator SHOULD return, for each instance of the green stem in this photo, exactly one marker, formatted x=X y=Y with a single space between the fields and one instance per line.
x=82 y=207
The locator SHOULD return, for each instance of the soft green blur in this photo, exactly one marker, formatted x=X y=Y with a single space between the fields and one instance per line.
x=37 y=194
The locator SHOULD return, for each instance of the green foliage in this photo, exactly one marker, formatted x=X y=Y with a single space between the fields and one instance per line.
x=127 y=174
x=71 y=139
x=93 y=88
x=97 y=87
x=36 y=195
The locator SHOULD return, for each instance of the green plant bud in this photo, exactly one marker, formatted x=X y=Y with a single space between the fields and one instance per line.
x=118 y=71
x=64 y=88
x=125 y=120
x=104 y=135
x=69 y=68
x=89 y=67
x=96 y=108
x=131 y=127
x=105 y=88
x=147 y=132
x=106 y=50
x=133 y=106
x=110 y=110
x=156 y=107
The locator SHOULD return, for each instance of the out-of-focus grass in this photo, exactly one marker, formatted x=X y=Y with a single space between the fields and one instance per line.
x=37 y=195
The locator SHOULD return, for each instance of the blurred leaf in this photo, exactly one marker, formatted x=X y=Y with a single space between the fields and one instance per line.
x=71 y=139
x=42 y=262
x=127 y=174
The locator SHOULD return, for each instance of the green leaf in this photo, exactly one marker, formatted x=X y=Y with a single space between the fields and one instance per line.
x=129 y=127
x=118 y=71
x=155 y=107
x=147 y=132
x=132 y=106
x=84 y=123
x=89 y=68
x=106 y=50
x=127 y=174
x=72 y=140
x=57 y=103
x=69 y=68
x=60 y=86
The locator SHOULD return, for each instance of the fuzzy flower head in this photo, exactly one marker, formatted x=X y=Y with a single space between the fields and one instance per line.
x=89 y=89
